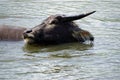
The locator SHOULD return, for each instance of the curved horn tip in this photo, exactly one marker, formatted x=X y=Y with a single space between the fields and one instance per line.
x=93 y=11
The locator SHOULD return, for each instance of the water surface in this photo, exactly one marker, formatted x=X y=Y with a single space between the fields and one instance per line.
x=73 y=61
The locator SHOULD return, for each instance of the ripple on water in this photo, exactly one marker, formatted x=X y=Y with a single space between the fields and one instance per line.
x=72 y=61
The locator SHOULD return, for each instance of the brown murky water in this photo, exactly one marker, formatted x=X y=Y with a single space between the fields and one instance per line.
x=72 y=61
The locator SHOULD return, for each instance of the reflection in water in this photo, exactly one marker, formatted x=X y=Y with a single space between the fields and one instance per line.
x=68 y=50
x=51 y=48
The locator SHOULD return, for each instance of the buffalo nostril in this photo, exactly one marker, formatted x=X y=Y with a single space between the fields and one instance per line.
x=28 y=31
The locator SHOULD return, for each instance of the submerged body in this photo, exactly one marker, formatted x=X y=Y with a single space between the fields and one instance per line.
x=11 y=33
x=58 y=29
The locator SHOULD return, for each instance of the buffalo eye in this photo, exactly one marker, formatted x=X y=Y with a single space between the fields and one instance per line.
x=55 y=21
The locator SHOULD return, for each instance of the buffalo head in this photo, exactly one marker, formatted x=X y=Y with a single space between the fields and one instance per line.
x=58 y=29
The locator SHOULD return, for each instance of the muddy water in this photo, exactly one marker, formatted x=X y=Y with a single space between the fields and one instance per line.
x=73 y=61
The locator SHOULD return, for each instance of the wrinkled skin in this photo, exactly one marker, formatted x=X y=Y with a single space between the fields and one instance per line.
x=58 y=29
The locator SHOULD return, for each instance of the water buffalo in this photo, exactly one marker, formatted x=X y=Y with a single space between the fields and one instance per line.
x=58 y=29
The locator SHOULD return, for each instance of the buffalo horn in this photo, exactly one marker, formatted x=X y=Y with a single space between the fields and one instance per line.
x=71 y=18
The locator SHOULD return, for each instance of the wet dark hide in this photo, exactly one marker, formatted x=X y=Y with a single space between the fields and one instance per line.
x=58 y=29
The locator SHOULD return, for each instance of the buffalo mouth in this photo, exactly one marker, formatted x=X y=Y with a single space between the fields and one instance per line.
x=28 y=38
